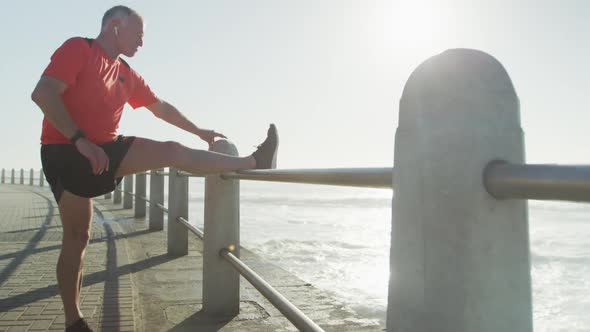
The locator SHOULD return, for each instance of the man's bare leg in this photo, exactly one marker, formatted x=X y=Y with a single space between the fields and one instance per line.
x=76 y=217
x=80 y=278
x=145 y=154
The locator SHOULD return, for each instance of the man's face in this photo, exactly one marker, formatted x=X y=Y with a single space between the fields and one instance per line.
x=130 y=36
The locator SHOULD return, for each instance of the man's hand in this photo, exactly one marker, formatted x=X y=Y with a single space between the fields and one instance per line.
x=209 y=135
x=99 y=161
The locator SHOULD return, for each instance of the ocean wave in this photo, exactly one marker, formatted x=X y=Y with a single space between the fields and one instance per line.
x=353 y=202
x=538 y=259
x=559 y=206
x=313 y=246
x=318 y=201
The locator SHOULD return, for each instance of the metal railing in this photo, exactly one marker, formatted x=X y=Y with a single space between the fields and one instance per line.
x=498 y=174
x=40 y=179
x=459 y=247
x=542 y=182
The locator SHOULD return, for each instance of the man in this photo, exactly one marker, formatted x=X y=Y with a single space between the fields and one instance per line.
x=82 y=93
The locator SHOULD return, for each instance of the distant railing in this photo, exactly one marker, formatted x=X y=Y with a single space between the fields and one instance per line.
x=32 y=178
x=459 y=257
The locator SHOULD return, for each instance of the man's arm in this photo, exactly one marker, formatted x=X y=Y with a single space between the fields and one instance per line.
x=47 y=95
x=167 y=112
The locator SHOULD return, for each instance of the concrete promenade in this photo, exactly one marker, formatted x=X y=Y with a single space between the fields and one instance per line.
x=130 y=282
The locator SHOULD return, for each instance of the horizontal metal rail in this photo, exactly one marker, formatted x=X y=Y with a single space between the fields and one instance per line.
x=189 y=174
x=132 y=194
x=350 y=177
x=161 y=206
x=162 y=173
x=298 y=318
x=190 y=227
x=543 y=182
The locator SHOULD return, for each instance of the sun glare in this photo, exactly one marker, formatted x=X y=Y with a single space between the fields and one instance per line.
x=416 y=26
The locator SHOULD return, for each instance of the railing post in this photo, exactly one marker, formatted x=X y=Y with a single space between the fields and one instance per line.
x=3 y=175
x=459 y=258
x=22 y=176
x=221 y=283
x=117 y=194
x=140 y=203
x=128 y=189
x=31 y=177
x=156 y=217
x=12 y=176
x=41 y=178
x=177 y=207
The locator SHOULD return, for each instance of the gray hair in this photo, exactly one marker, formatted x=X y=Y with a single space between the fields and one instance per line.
x=117 y=12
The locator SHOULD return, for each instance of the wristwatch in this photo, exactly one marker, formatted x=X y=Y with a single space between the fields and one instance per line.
x=79 y=134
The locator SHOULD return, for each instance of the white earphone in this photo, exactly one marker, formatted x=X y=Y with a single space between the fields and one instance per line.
x=116 y=31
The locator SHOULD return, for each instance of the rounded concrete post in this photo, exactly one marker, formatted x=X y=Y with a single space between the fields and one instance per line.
x=140 y=203
x=127 y=190
x=22 y=176
x=459 y=257
x=156 y=217
x=3 y=175
x=41 y=178
x=221 y=282
x=117 y=194
x=31 y=176
x=177 y=207
x=12 y=176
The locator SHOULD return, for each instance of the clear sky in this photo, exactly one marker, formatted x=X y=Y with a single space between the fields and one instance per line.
x=329 y=73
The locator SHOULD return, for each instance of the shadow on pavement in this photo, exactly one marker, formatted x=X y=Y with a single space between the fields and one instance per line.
x=205 y=322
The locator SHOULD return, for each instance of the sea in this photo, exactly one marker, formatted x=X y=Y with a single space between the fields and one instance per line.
x=338 y=239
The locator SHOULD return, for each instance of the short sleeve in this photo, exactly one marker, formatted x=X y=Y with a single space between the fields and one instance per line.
x=68 y=60
x=141 y=95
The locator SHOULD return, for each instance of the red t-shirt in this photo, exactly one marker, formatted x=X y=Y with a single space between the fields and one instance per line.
x=98 y=88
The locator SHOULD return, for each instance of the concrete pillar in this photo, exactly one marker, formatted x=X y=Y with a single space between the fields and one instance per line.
x=156 y=218
x=459 y=258
x=31 y=176
x=12 y=176
x=22 y=176
x=177 y=207
x=127 y=190
x=41 y=178
x=140 y=203
x=221 y=282
x=3 y=175
x=117 y=194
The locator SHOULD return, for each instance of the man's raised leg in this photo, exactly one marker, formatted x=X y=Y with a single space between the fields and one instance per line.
x=76 y=217
x=145 y=154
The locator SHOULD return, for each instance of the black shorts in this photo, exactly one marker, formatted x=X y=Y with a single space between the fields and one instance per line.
x=67 y=169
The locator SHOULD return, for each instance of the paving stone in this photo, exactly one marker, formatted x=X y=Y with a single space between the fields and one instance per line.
x=18 y=328
x=34 y=311
x=11 y=316
x=41 y=325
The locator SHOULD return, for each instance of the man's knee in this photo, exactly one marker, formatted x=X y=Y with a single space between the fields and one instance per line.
x=174 y=148
x=77 y=236
x=175 y=151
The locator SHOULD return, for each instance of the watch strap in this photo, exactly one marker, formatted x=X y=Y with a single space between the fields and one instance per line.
x=79 y=134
